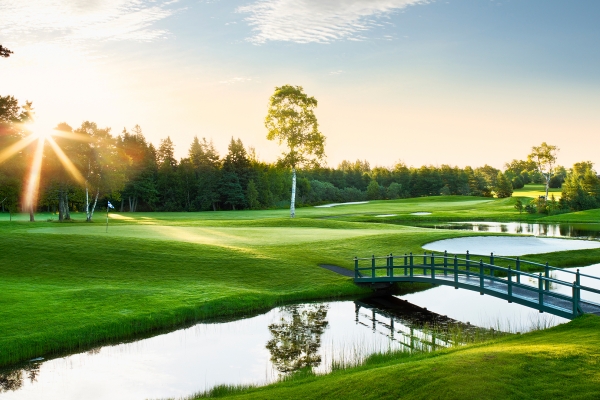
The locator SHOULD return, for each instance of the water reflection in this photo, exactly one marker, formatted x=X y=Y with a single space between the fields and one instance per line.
x=584 y=231
x=296 y=339
x=13 y=380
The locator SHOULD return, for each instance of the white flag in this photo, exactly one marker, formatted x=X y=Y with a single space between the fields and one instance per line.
x=110 y=205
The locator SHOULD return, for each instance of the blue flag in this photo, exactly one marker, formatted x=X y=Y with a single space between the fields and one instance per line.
x=110 y=205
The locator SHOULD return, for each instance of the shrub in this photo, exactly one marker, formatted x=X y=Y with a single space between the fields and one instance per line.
x=518 y=183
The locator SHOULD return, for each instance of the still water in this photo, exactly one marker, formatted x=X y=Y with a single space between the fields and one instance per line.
x=252 y=350
x=587 y=230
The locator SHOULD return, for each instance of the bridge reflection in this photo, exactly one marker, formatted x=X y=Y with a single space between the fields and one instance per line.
x=414 y=328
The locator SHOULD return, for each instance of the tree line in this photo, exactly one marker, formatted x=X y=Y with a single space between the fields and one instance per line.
x=135 y=175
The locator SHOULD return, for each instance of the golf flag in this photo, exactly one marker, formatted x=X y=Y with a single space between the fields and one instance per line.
x=110 y=205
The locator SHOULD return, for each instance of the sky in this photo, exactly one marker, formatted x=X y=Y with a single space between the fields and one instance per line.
x=460 y=82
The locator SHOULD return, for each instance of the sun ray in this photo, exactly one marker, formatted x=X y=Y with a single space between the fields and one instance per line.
x=69 y=166
x=16 y=147
x=71 y=135
x=33 y=185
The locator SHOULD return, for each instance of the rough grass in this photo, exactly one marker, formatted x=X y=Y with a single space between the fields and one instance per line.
x=561 y=362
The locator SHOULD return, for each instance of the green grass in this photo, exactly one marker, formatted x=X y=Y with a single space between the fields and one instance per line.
x=71 y=286
x=561 y=362
x=535 y=190
x=588 y=216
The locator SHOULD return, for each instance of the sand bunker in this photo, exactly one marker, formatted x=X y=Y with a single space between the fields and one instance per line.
x=509 y=246
x=386 y=215
x=421 y=213
x=341 y=204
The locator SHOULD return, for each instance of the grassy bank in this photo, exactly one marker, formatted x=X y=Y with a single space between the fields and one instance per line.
x=71 y=286
x=561 y=362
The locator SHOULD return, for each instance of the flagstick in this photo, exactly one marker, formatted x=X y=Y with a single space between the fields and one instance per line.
x=106 y=219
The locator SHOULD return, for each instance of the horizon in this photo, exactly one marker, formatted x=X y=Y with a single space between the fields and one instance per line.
x=423 y=82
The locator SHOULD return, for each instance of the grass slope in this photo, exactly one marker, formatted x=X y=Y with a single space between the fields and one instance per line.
x=67 y=287
x=70 y=286
x=561 y=362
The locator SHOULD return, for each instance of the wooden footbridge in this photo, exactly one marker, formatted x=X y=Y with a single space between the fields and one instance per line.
x=543 y=291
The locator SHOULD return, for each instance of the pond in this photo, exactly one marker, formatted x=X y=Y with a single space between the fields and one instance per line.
x=509 y=245
x=572 y=230
x=261 y=348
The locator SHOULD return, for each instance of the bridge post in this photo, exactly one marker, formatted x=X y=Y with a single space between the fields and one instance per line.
x=576 y=295
x=518 y=270
x=445 y=263
x=373 y=266
x=509 y=283
x=432 y=266
x=405 y=262
x=424 y=263
x=356 y=273
x=540 y=291
x=578 y=278
x=411 y=265
x=468 y=264
x=491 y=259
x=481 y=277
x=455 y=271
x=387 y=265
x=547 y=275
x=391 y=263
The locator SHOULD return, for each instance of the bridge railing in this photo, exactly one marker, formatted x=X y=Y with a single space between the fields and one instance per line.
x=434 y=268
x=577 y=275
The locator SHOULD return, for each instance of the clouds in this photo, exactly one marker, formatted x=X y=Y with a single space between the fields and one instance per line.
x=317 y=21
x=76 y=21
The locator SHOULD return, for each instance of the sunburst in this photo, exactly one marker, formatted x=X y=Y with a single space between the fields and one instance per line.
x=43 y=136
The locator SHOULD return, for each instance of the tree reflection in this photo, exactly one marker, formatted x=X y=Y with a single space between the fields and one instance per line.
x=13 y=380
x=297 y=338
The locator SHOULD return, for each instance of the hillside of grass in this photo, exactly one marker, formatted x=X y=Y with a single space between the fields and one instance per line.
x=66 y=287
x=561 y=362
x=588 y=216
x=70 y=286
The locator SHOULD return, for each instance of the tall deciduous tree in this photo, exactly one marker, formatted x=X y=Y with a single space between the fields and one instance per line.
x=291 y=120
x=544 y=157
x=104 y=165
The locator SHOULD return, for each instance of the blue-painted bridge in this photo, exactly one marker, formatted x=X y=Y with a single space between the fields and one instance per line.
x=556 y=291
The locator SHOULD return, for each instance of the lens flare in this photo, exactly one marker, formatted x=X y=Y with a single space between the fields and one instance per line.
x=43 y=136
x=69 y=166
x=15 y=148
x=33 y=185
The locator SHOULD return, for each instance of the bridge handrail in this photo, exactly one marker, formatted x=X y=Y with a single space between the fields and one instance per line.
x=516 y=260
x=442 y=268
x=465 y=262
x=475 y=263
x=538 y=264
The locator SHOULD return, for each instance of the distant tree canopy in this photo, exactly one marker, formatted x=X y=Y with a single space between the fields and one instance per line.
x=136 y=176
